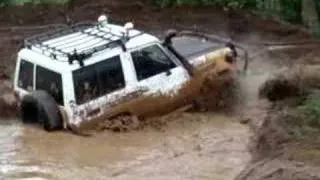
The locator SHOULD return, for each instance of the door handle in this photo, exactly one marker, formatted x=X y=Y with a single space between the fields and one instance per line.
x=168 y=73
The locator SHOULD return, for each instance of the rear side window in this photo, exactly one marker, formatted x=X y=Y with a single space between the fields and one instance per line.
x=99 y=79
x=151 y=61
x=51 y=82
x=110 y=75
x=25 y=79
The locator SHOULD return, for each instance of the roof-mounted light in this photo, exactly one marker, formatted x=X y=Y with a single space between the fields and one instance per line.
x=127 y=27
x=103 y=20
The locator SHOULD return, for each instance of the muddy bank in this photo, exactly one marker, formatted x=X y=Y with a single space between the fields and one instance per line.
x=295 y=81
x=276 y=155
x=275 y=169
x=286 y=144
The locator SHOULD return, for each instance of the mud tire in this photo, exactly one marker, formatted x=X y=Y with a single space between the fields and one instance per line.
x=40 y=107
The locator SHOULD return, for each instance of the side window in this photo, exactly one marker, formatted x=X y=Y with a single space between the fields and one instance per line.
x=151 y=61
x=51 y=82
x=25 y=79
x=85 y=84
x=110 y=75
x=99 y=79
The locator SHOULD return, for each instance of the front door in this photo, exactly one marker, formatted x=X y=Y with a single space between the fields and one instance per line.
x=157 y=71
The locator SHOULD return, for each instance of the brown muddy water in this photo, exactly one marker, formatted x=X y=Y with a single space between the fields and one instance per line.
x=195 y=146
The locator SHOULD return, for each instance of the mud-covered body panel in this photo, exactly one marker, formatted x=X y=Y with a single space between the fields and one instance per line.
x=157 y=96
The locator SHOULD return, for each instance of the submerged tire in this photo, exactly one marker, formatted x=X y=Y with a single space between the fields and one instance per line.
x=40 y=107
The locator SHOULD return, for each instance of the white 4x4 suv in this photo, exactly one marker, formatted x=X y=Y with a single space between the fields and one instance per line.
x=87 y=73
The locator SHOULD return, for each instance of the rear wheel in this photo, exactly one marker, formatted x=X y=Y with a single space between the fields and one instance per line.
x=28 y=110
x=40 y=107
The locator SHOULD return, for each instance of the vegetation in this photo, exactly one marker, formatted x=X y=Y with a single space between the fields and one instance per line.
x=21 y=2
x=303 y=120
x=237 y=4
x=304 y=12
x=294 y=11
x=295 y=93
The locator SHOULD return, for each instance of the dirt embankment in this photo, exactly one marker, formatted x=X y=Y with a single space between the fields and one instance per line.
x=286 y=144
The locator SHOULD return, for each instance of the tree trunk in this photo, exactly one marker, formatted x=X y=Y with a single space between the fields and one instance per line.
x=310 y=15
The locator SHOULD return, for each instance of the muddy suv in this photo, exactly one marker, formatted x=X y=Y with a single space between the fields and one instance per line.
x=91 y=72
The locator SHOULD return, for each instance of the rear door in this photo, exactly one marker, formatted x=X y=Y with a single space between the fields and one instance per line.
x=24 y=79
x=50 y=82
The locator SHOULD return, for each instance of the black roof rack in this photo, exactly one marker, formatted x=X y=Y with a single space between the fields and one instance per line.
x=111 y=40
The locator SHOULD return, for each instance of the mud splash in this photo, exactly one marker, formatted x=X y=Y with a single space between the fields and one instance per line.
x=213 y=87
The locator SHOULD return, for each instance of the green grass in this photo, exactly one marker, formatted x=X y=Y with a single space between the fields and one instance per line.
x=236 y=4
x=286 y=11
x=303 y=121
